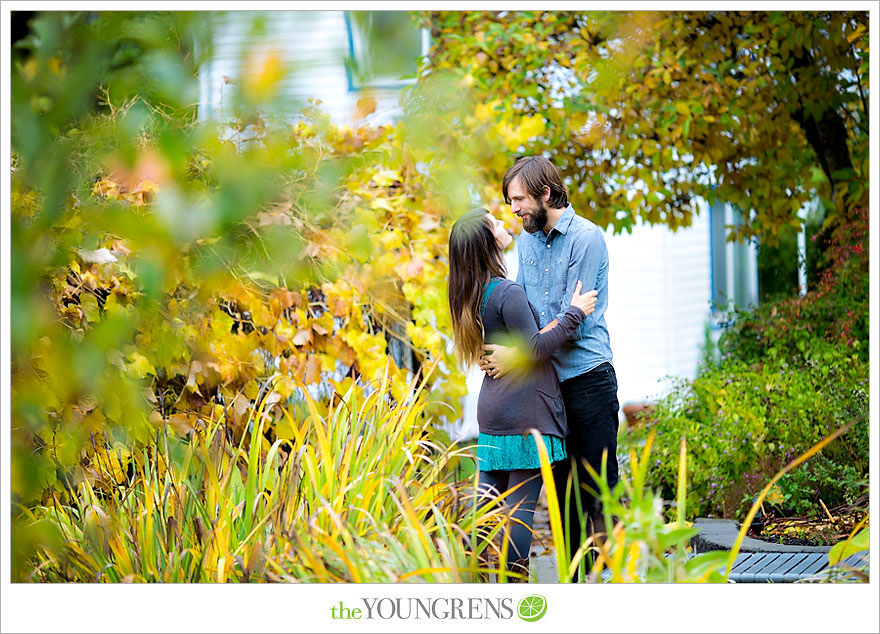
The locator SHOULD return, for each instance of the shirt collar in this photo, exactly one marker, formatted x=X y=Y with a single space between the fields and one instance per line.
x=564 y=221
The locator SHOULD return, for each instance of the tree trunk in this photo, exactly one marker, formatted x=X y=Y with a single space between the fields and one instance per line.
x=827 y=137
x=826 y=133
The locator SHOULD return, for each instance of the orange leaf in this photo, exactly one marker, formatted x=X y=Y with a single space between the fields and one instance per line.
x=303 y=337
x=366 y=105
x=313 y=370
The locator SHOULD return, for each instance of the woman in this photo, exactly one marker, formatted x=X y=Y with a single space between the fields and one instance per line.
x=488 y=308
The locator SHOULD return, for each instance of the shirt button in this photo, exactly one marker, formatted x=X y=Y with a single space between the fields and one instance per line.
x=542 y=313
x=546 y=292
x=546 y=270
x=548 y=246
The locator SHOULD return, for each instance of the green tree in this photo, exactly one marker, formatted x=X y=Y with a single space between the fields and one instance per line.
x=643 y=112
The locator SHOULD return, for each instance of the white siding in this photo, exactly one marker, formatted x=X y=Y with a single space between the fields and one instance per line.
x=313 y=46
x=659 y=288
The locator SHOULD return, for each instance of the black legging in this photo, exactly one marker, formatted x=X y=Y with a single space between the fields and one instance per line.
x=492 y=483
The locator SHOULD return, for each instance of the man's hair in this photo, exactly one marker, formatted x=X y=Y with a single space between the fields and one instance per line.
x=535 y=173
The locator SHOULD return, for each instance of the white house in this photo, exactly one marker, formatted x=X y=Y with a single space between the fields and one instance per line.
x=661 y=283
x=326 y=55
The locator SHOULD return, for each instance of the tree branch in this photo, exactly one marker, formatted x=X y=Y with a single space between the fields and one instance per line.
x=859 y=82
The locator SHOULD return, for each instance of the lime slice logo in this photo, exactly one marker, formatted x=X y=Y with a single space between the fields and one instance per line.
x=532 y=608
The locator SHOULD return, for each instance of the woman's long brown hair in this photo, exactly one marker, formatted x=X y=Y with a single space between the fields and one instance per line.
x=474 y=259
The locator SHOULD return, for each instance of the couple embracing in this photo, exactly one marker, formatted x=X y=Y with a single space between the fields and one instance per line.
x=568 y=391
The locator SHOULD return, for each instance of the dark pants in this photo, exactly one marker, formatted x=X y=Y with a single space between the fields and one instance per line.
x=591 y=409
x=491 y=483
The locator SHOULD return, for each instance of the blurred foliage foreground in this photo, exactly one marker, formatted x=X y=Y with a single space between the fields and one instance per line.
x=181 y=287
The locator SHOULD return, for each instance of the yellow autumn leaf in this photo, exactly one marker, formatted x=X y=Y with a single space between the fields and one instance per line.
x=107 y=188
x=312 y=370
x=262 y=316
x=860 y=29
x=284 y=385
x=323 y=325
x=328 y=363
x=302 y=337
x=139 y=366
x=252 y=390
x=384 y=265
x=774 y=496
x=531 y=126
x=365 y=106
x=386 y=178
x=392 y=239
x=511 y=137
x=284 y=429
x=117 y=460
x=262 y=75
x=284 y=332
x=381 y=203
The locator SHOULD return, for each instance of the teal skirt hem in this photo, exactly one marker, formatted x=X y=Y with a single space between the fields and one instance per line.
x=506 y=453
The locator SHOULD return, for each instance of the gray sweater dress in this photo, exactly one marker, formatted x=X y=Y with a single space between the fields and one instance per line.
x=511 y=405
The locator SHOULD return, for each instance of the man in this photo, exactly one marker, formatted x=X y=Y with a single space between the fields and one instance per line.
x=557 y=249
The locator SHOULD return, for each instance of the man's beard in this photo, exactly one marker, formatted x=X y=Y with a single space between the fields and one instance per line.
x=537 y=220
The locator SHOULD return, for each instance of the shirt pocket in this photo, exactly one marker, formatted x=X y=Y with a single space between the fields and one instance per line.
x=529 y=267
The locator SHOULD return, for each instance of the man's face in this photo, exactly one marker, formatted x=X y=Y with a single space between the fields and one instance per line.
x=532 y=212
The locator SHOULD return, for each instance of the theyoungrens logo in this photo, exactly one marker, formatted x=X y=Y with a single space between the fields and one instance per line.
x=530 y=608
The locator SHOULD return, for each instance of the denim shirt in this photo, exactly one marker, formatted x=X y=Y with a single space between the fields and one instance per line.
x=549 y=268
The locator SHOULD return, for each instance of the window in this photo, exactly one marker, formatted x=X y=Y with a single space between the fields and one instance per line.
x=384 y=48
x=787 y=266
x=734 y=265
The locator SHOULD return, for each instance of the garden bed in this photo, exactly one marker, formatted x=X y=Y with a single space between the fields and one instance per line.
x=826 y=529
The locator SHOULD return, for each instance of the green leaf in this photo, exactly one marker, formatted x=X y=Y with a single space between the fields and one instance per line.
x=674 y=537
x=139 y=366
x=89 y=305
x=708 y=565
x=359 y=243
x=844 y=549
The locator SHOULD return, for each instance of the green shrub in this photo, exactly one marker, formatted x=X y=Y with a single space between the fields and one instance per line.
x=788 y=374
x=821 y=478
x=743 y=423
x=835 y=310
